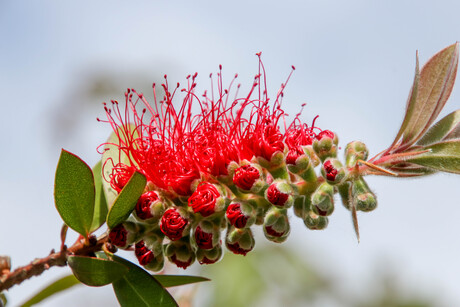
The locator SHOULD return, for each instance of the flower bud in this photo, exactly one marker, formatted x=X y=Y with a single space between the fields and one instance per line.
x=315 y=222
x=209 y=256
x=333 y=171
x=355 y=151
x=206 y=199
x=173 y=224
x=364 y=198
x=325 y=144
x=240 y=214
x=125 y=234
x=180 y=253
x=276 y=225
x=279 y=194
x=344 y=191
x=298 y=160
x=149 y=208
x=206 y=235
x=239 y=241
x=149 y=256
x=323 y=200
x=248 y=178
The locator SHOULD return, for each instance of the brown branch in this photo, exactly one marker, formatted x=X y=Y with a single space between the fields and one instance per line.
x=38 y=266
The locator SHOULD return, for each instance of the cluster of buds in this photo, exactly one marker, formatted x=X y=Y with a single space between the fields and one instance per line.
x=214 y=176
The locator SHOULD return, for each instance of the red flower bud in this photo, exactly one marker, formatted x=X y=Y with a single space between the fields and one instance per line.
x=276 y=197
x=203 y=239
x=235 y=216
x=325 y=133
x=273 y=232
x=143 y=254
x=236 y=249
x=292 y=155
x=118 y=236
x=144 y=203
x=331 y=171
x=203 y=200
x=173 y=224
x=179 y=263
x=245 y=177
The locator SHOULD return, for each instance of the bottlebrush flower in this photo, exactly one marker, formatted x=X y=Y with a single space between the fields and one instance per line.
x=173 y=225
x=246 y=176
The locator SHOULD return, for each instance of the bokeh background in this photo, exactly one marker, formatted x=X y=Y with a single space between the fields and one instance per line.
x=59 y=60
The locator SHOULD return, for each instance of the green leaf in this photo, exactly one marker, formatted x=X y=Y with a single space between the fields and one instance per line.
x=437 y=79
x=59 y=285
x=74 y=192
x=178 y=280
x=138 y=288
x=126 y=200
x=95 y=271
x=113 y=155
x=411 y=102
x=100 y=207
x=445 y=129
x=444 y=156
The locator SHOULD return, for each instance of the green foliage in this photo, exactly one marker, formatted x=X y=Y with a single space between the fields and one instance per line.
x=59 y=285
x=178 y=280
x=138 y=288
x=445 y=129
x=74 y=192
x=126 y=201
x=443 y=156
x=96 y=272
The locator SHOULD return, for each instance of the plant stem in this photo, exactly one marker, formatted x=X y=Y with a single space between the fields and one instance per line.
x=39 y=265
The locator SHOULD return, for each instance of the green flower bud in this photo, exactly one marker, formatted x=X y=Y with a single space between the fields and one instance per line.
x=323 y=200
x=344 y=191
x=239 y=241
x=364 y=198
x=209 y=256
x=276 y=225
x=180 y=252
x=355 y=151
x=315 y=222
x=325 y=144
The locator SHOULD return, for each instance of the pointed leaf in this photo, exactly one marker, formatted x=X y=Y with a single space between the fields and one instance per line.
x=411 y=103
x=138 y=288
x=100 y=206
x=436 y=82
x=74 y=192
x=411 y=170
x=444 y=156
x=178 y=280
x=59 y=285
x=447 y=128
x=126 y=200
x=95 y=271
x=113 y=155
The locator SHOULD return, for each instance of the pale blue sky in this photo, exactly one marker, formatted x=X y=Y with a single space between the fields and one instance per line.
x=355 y=63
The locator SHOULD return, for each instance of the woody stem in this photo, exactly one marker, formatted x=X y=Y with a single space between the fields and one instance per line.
x=39 y=265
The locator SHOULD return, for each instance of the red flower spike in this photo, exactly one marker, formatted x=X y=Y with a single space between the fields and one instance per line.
x=144 y=203
x=143 y=254
x=275 y=197
x=235 y=216
x=204 y=199
x=203 y=239
x=173 y=224
x=331 y=171
x=181 y=264
x=245 y=177
x=118 y=236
